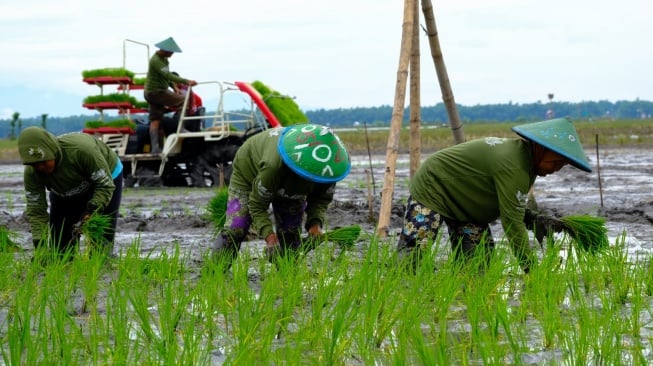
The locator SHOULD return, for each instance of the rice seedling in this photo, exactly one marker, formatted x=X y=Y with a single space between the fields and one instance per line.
x=7 y=243
x=588 y=232
x=360 y=309
x=93 y=230
x=345 y=237
x=217 y=208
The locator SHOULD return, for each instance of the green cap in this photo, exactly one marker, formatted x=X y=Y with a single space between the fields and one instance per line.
x=169 y=45
x=314 y=152
x=558 y=135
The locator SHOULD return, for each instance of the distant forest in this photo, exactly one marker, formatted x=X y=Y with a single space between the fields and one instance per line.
x=380 y=116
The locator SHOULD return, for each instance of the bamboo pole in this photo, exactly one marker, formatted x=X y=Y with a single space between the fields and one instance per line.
x=370 y=197
x=598 y=169
x=441 y=70
x=414 y=120
x=369 y=156
x=392 y=149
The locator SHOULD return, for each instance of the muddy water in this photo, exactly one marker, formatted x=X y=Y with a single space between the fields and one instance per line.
x=162 y=217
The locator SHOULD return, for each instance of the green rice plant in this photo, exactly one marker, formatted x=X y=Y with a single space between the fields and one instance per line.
x=117 y=123
x=544 y=295
x=284 y=107
x=24 y=311
x=66 y=338
x=217 y=208
x=588 y=232
x=617 y=273
x=253 y=320
x=90 y=269
x=345 y=237
x=639 y=304
x=362 y=308
x=172 y=303
x=380 y=309
x=7 y=243
x=441 y=289
x=107 y=71
x=93 y=230
x=140 y=104
x=112 y=98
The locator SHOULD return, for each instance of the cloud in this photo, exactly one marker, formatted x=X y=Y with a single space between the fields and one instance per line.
x=335 y=53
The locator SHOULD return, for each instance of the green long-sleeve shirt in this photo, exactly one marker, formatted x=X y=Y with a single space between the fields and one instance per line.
x=159 y=77
x=83 y=164
x=480 y=181
x=259 y=170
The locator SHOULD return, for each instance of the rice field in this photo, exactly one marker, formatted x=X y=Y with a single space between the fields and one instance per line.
x=331 y=306
x=165 y=304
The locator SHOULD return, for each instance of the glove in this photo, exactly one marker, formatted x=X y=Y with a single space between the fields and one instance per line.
x=542 y=225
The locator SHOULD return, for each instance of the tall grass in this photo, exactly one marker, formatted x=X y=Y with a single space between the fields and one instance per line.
x=330 y=307
x=621 y=133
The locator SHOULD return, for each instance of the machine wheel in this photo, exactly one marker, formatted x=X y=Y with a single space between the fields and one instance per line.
x=205 y=170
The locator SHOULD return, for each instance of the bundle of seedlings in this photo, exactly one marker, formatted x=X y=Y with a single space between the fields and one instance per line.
x=283 y=106
x=217 y=208
x=93 y=229
x=108 y=72
x=117 y=123
x=587 y=231
x=345 y=237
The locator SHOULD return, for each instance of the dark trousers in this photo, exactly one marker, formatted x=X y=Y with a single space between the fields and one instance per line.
x=66 y=212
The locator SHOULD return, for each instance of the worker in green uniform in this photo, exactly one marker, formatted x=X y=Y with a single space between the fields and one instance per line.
x=159 y=96
x=83 y=176
x=294 y=170
x=469 y=185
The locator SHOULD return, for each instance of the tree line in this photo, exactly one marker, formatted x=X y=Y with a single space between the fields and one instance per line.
x=381 y=115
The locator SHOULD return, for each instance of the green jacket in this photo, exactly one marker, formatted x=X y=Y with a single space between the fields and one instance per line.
x=159 y=77
x=258 y=169
x=478 y=182
x=83 y=164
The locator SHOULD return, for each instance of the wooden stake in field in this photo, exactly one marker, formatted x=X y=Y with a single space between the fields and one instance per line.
x=414 y=120
x=409 y=54
x=397 y=116
x=441 y=70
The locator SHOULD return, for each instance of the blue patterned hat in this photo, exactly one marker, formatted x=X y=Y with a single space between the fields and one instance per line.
x=558 y=135
x=314 y=152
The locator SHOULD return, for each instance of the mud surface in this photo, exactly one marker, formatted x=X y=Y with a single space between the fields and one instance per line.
x=161 y=218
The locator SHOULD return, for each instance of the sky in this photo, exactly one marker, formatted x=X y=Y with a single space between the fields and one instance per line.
x=330 y=54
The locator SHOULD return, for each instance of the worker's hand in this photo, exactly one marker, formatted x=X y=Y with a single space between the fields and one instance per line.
x=542 y=225
x=79 y=225
x=272 y=247
x=192 y=82
x=271 y=240
x=315 y=231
